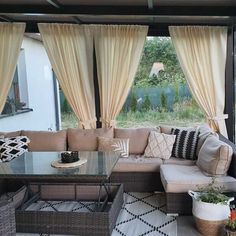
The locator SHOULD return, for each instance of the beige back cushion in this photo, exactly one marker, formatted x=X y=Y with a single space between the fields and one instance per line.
x=138 y=138
x=46 y=140
x=214 y=156
x=166 y=129
x=205 y=131
x=86 y=139
x=11 y=134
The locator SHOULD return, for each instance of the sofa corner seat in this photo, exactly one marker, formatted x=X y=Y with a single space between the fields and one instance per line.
x=177 y=180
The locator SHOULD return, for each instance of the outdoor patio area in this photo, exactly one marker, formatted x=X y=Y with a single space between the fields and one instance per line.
x=117 y=118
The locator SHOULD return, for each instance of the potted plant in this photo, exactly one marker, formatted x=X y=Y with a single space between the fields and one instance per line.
x=210 y=209
x=230 y=227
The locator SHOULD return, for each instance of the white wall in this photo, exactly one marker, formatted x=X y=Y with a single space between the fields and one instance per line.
x=40 y=92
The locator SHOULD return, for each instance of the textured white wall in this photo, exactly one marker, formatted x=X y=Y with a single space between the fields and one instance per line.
x=40 y=92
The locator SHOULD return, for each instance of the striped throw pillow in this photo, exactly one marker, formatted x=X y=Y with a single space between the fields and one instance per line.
x=185 y=145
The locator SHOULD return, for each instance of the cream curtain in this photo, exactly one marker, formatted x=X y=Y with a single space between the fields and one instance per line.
x=201 y=51
x=70 y=50
x=11 y=37
x=118 y=52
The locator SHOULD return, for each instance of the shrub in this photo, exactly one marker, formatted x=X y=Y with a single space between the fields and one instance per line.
x=212 y=193
x=176 y=97
x=146 y=103
x=133 y=102
x=66 y=107
x=163 y=101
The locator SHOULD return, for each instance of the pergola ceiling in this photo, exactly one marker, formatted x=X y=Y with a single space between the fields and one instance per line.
x=158 y=14
x=123 y=2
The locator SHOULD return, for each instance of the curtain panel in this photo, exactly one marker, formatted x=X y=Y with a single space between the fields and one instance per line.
x=118 y=51
x=70 y=51
x=11 y=37
x=201 y=51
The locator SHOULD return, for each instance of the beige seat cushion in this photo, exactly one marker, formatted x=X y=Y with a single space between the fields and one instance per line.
x=179 y=161
x=46 y=140
x=10 y=134
x=214 y=156
x=180 y=179
x=138 y=164
x=86 y=139
x=138 y=138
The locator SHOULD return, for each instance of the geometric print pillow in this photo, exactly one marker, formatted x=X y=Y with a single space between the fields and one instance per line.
x=185 y=145
x=118 y=145
x=159 y=145
x=13 y=147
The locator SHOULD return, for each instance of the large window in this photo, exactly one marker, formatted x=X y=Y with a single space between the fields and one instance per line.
x=17 y=99
x=160 y=94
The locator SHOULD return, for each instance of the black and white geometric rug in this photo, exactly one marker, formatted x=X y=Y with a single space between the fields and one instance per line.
x=142 y=214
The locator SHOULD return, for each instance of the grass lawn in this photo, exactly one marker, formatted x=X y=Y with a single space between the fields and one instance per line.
x=184 y=114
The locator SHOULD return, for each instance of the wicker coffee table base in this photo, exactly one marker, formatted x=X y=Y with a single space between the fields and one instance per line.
x=71 y=223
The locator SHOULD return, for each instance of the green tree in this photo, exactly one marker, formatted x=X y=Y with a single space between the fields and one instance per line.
x=176 y=97
x=146 y=103
x=159 y=49
x=133 y=102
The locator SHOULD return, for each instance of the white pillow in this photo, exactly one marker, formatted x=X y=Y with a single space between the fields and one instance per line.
x=159 y=145
x=118 y=145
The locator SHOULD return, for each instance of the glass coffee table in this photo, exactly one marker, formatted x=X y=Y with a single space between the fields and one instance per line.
x=37 y=166
x=87 y=183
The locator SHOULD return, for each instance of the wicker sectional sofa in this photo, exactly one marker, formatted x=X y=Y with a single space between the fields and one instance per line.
x=138 y=173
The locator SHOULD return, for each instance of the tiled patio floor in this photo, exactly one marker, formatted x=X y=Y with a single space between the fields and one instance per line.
x=186 y=227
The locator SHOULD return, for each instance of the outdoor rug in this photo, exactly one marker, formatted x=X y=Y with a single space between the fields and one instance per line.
x=142 y=214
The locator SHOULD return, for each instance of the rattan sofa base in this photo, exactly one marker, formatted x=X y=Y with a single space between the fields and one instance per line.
x=70 y=223
x=178 y=203
x=2 y=186
x=138 y=181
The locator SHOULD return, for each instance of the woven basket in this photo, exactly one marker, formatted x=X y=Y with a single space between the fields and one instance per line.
x=7 y=218
x=210 y=228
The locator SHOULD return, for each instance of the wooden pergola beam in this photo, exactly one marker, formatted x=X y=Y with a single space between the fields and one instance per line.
x=54 y=3
x=5 y=18
x=120 y=10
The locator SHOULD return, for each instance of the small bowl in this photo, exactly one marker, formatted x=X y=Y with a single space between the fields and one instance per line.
x=69 y=157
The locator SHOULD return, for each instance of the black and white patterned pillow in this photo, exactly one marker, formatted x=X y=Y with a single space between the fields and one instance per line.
x=185 y=145
x=13 y=147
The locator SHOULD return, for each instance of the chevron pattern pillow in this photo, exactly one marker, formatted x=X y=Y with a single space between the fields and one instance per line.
x=185 y=145
x=13 y=147
x=159 y=145
x=118 y=145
